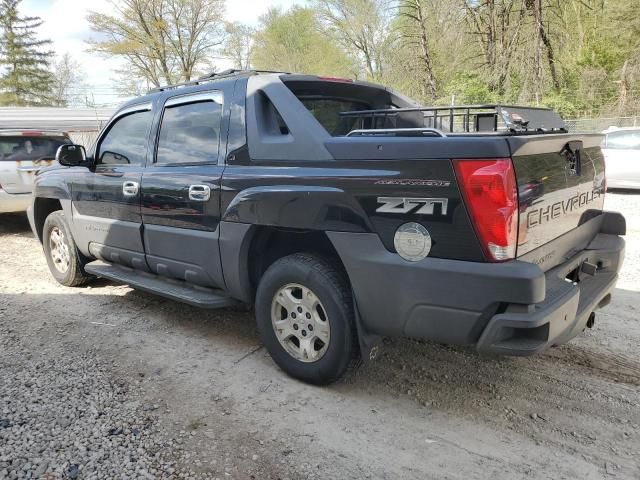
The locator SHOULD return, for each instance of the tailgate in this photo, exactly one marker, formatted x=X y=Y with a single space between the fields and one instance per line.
x=561 y=185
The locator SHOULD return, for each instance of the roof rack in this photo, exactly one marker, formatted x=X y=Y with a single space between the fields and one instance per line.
x=231 y=72
x=503 y=119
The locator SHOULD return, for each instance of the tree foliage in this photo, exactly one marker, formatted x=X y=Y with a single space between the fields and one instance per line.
x=294 y=41
x=238 y=45
x=68 y=79
x=24 y=59
x=579 y=56
x=163 y=41
x=361 y=29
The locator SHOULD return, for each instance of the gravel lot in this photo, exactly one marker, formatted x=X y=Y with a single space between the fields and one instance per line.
x=107 y=382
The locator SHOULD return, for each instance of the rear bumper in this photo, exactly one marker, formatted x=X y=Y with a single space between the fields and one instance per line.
x=529 y=329
x=509 y=308
x=14 y=202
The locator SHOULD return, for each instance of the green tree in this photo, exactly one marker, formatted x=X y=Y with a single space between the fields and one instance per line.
x=361 y=28
x=25 y=77
x=469 y=89
x=416 y=35
x=293 y=41
x=496 y=27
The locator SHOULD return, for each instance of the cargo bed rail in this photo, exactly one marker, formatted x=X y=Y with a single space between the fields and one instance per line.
x=483 y=119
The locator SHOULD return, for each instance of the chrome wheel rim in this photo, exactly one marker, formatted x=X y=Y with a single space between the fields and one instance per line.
x=300 y=322
x=59 y=250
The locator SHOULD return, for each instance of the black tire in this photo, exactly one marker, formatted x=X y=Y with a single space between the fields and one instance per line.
x=329 y=284
x=74 y=275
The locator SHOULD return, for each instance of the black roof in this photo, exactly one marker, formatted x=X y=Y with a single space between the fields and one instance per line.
x=212 y=77
x=231 y=72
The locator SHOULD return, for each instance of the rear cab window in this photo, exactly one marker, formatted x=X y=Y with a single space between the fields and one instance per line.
x=327 y=99
x=30 y=148
x=327 y=112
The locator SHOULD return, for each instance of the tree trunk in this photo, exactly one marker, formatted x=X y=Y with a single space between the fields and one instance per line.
x=543 y=39
x=624 y=89
x=423 y=41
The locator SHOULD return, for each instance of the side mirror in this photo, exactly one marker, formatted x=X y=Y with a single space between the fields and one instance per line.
x=71 y=155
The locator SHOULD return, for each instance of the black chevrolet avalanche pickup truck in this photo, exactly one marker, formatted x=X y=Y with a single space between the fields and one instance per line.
x=344 y=211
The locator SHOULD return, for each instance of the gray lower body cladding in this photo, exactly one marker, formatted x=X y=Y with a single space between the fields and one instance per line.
x=509 y=308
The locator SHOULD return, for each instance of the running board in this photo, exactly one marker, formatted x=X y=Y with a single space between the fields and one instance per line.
x=149 y=282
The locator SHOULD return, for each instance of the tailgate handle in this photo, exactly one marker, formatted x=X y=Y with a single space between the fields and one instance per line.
x=572 y=153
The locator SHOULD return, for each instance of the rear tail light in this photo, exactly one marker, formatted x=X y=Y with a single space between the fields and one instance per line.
x=491 y=195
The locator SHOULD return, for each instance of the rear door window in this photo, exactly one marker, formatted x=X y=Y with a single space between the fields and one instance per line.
x=21 y=148
x=190 y=132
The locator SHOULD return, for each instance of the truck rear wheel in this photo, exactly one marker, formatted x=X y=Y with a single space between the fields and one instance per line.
x=305 y=317
x=65 y=261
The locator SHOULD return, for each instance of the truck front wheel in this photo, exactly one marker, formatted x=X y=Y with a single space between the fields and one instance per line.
x=66 y=263
x=305 y=317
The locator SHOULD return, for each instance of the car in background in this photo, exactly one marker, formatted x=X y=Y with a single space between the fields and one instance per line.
x=22 y=154
x=621 y=149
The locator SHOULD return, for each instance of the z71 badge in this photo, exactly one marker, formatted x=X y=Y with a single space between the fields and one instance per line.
x=424 y=206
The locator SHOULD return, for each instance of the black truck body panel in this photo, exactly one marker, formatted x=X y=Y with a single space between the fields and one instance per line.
x=278 y=169
x=299 y=197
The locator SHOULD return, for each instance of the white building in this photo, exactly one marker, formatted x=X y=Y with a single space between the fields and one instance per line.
x=82 y=124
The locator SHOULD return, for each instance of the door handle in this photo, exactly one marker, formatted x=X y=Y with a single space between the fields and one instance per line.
x=130 y=189
x=199 y=193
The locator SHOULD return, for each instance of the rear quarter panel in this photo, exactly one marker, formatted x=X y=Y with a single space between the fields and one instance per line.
x=344 y=196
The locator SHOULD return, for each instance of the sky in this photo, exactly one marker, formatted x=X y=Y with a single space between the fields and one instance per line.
x=65 y=25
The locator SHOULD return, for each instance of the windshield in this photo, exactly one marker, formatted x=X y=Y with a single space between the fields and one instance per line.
x=17 y=148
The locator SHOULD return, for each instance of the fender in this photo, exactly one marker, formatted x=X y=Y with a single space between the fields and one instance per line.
x=301 y=207
x=52 y=183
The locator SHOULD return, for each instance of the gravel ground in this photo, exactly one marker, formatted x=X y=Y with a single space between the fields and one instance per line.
x=63 y=415
x=107 y=382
